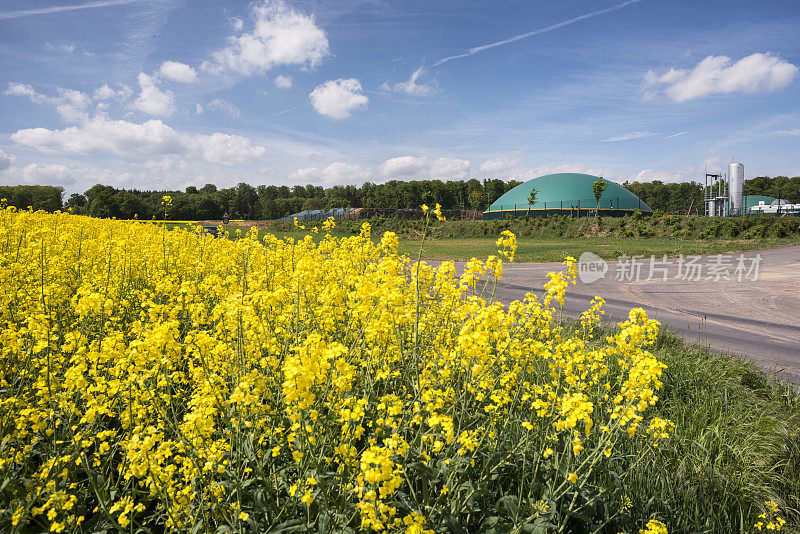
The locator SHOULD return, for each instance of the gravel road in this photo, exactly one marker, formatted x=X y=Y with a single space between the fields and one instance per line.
x=759 y=319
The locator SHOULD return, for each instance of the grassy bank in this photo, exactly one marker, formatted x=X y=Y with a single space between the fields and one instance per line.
x=736 y=444
x=554 y=249
x=548 y=249
x=550 y=239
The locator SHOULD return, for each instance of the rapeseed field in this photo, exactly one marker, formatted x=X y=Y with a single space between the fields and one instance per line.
x=164 y=380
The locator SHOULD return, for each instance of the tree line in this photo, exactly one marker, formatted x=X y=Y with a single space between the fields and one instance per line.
x=683 y=196
x=273 y=202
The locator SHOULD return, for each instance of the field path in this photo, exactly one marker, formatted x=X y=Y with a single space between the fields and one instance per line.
x=758 y=319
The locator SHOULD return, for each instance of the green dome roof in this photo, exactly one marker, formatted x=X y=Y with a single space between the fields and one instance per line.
x=567 y=190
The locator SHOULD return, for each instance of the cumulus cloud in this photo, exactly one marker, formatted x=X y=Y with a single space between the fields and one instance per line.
x=499 y=165
x=5 y=160
x=335 y=173
x=225 y=107
x=423 y=167
x=411 y=87
x=229 y=149
x=47 y=173
x=153 y=100
x=100 y=134
x=337 y=98
x=104 y=92
x=628 y=136
x=150 y=139
x=283 y=82
x=70 y=104
x=177 y=72
x=280 y=36
x=23 y=89
x=756 y=73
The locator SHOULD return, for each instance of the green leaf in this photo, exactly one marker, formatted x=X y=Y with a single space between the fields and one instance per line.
x=510 y=504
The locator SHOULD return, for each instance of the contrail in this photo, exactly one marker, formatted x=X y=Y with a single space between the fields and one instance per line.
x=674 y=135
x=57 y=9
x=475 y=50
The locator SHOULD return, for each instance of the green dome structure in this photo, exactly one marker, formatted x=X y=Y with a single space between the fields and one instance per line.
x=566 y=193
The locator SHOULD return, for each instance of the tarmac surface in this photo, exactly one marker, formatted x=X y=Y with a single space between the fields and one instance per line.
x=742 y=303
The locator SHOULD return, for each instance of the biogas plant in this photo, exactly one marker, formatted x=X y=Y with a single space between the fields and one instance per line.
x=566 y=193
x=724 y=197
x=569 y=193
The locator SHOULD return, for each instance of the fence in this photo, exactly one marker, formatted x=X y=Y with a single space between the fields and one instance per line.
x=613 y=207
x=345 y=214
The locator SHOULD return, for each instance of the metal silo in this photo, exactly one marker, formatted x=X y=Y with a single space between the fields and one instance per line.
x=736 y=181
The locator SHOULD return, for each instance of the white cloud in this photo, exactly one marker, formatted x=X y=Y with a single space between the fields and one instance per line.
x=280 y=36
x=224 y=106
x=153 y=100
x=47 y=173
x=792 y=132
x=70 y=104
x=582 y=168
x=628 y=136
x=104 y=92
x=411 y=87
x=335 y=173
x=68 y=48
x=691 y=171
x=178 y=72
x=229 y=149
x=198 y=109
x=424 y=168
x=237 y=24
x=499 y=165
x=150 y=139
x=337 y=98
x=283 y=82
x=23 y=89
x=5 y=160
x=756 y=73
x=127 y=139
x=403 y=166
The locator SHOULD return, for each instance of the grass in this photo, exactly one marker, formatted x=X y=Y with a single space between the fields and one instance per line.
x=736 y=444
x=554 y=249
x=532 y=249
x=551 y=239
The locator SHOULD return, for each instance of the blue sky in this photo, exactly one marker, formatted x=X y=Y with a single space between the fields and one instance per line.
x=166 y=94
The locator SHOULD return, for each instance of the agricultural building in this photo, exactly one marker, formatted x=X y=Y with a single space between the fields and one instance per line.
x=566 y=193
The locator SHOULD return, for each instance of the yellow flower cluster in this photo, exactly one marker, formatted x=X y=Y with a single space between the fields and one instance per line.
x=163 y=379
x=654 y=526
x=770 y=520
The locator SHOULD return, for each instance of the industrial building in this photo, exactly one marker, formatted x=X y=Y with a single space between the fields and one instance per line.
x=724 y=197
x=566 y=193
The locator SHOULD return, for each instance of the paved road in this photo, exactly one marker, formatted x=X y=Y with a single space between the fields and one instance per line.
x=759 y=319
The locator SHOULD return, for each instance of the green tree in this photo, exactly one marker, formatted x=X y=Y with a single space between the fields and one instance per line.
x=598 y=188
x=531 y=199
x=475 y=199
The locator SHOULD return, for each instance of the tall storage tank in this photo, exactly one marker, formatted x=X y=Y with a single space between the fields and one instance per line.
x=736 y=181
